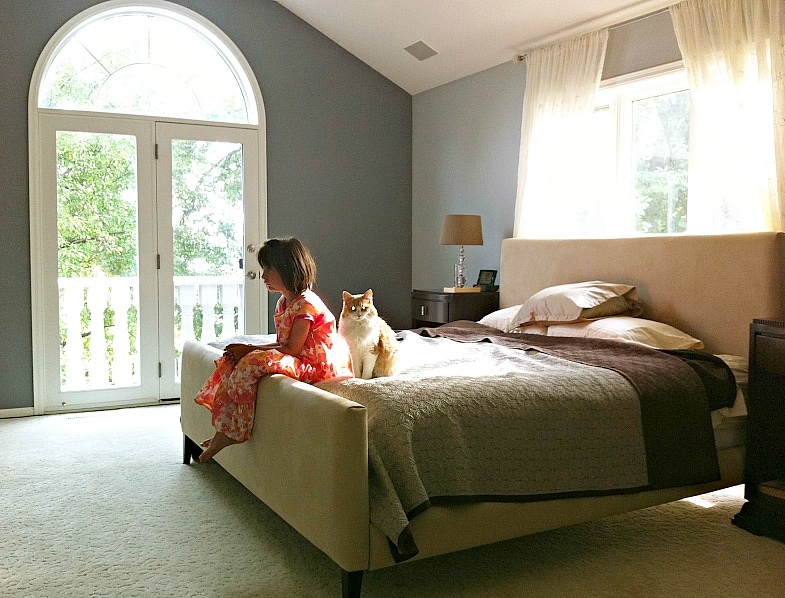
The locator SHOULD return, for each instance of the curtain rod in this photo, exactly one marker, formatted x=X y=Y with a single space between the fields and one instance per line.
x=518 y=58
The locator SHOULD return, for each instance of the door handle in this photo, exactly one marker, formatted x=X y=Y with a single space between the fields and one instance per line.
x=251 y=274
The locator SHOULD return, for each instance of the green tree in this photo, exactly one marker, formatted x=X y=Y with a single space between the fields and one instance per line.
x=96 y=215
x=207 y=235
x=661 y=134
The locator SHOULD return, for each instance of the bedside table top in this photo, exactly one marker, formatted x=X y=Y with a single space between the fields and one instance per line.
x=773 y=323
x=443 y=292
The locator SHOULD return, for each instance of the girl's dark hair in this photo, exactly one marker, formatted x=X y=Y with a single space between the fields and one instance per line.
x=292 y=260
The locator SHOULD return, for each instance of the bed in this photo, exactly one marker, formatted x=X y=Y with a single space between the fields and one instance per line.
x=308 y=457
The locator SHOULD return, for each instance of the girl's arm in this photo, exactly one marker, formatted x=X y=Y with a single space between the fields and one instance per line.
x=234 y=352
x=297 y=338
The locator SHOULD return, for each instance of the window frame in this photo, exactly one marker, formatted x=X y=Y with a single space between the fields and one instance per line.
x=617 y=95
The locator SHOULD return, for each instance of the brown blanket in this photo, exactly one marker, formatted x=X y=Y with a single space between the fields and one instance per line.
x=675 y=409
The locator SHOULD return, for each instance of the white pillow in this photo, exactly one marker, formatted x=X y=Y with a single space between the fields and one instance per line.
x=579 y=301
x=629 y=330
x=502 y=318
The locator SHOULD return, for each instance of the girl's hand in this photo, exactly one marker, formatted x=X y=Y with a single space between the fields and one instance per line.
x=234 y=352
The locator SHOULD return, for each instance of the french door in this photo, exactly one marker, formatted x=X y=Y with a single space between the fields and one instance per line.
x=206 y=189
x=143 y=244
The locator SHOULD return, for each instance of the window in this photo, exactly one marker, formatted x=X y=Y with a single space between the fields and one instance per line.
x=135 y=60
x=642 y=128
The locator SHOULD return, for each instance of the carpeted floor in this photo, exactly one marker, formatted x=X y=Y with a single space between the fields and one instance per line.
x=99 y=504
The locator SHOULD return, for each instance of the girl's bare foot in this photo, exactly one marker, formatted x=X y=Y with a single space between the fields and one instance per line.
x=215 y=444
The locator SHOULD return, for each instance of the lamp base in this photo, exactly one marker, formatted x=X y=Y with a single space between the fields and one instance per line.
x=462 y=289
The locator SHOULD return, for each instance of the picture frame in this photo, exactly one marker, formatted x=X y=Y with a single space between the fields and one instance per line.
x=486 y=278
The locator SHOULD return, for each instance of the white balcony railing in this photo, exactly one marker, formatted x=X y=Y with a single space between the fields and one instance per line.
x=99 y=325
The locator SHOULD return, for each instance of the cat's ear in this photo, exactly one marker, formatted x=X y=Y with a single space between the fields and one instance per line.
x=368 y=294
x=346 y=296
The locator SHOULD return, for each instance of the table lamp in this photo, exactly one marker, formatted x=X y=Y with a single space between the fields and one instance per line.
x=461 y=229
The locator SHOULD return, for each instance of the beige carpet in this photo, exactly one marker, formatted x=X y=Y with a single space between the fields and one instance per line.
x=99 y=504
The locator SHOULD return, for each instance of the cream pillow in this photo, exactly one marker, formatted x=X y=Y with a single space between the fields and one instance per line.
x=579 y=301
x=502 y=318
x=629 y=330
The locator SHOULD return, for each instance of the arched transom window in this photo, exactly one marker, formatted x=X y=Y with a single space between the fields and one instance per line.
x=143 y=61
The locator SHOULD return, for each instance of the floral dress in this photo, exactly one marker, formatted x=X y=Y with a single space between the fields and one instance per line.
x=230 y=393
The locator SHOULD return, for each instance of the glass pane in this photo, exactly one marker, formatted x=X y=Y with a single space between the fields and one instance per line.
x=208 y=225
x=597 y=212
x=660 y=151
x=144 y=64
x=97 y=260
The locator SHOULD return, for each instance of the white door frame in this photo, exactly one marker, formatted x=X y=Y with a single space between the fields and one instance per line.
x=38 y=257
x=156 y=318
x=46 y=291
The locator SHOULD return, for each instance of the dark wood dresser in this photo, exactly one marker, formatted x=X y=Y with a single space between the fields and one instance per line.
x=764 y=467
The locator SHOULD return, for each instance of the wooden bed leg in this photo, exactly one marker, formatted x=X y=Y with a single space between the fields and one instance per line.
x=191 y=450
x=352 y=582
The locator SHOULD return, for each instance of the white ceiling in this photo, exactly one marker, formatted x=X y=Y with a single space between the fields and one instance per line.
x=469 y=35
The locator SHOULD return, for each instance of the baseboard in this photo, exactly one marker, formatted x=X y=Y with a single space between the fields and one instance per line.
x=20 y=412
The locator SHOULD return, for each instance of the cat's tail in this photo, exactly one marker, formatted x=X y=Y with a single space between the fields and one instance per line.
x=387 y=356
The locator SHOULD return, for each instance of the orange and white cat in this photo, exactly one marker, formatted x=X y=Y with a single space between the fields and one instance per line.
x=371 y=341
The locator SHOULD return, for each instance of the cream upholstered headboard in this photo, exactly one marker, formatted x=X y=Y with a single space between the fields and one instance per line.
x=710 y=286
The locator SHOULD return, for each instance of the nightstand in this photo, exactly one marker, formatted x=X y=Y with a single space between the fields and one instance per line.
x=764 y=466
x=432 y=308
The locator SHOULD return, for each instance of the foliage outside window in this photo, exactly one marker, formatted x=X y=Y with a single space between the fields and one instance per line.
x=642 y=129
x=97 y=215
x=144 y=63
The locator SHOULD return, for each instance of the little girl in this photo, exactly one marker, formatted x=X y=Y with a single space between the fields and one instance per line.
x=307 y=348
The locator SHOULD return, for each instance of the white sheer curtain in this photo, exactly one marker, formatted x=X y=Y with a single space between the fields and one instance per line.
x=735 y=60
x=555 y=169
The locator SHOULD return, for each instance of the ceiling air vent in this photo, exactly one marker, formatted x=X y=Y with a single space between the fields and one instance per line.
x=420 y=50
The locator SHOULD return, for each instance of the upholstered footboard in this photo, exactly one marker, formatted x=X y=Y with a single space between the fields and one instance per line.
x=307 y=458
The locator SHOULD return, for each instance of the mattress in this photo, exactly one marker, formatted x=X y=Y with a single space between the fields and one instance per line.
x=730 y=423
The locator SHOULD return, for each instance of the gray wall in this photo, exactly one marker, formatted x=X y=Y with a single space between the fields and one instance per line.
x=338 y=149
x=465 y=161
x=466 y=144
